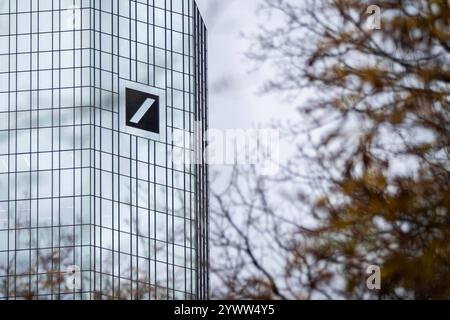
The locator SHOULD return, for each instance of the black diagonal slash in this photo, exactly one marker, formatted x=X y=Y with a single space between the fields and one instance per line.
x=142 y=110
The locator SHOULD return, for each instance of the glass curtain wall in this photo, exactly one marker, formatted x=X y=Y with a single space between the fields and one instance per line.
x=77 y=192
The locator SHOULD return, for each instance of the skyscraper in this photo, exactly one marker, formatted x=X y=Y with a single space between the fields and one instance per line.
x=103 y=107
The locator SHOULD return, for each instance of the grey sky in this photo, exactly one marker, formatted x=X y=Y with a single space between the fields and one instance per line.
x=235 y=83
x=235 y=98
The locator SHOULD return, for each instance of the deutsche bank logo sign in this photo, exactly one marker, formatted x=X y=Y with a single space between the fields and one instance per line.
x=142 y=110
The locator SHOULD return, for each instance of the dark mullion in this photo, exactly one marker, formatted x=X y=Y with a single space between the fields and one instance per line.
x=187 y=181
x=184 y=154
x=101 y=151
x=192 y=166
x=37 y=157
x=92 y=129
x=148 y=163
x=202 y=189
x=136 y=163
x=112 y=144
x=200 y=195
x=172 y=147
x=199 y=111
x=53 y=147
x=207 y=165
x=59 y=149
x=167 y=152
x=73 y=131
x=15 y=167
x=137 y=224
x=81 y=155
x=204 y=176
x=93 y=155
x=130 y=272
x=194 y=49
x=9 y=151
x=154 y=156
x=149 y=211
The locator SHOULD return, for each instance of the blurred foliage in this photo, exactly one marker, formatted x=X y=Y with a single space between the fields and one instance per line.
x=373 y=153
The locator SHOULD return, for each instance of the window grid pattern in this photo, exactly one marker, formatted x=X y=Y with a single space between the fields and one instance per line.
x=74 y=189
x=201 y=116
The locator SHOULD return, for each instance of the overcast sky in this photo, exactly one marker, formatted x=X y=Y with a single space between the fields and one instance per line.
x=235 y=84
x=235 y=87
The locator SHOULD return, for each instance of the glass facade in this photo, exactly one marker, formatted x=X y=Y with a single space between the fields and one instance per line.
x=77 y=190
